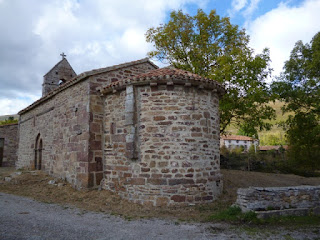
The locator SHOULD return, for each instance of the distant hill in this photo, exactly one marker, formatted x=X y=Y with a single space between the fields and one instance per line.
x=276 y=135
x=4 y=117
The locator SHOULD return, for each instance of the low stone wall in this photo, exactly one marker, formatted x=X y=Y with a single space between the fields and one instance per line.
x=299 y=200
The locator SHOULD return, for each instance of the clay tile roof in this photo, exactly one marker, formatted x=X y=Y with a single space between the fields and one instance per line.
x=83 y=76
x=166 y=76
x=237 y=137
x=268 y=148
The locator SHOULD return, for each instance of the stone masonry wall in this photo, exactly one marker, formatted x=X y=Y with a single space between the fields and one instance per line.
x=9 y=134
x=62 y=122
x=97 y=113
x=278 y=198
x=70 y=126
x=175 y=145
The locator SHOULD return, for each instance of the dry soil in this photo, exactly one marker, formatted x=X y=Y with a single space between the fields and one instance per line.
x=34 y=184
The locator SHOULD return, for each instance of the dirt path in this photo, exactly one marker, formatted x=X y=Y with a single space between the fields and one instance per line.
x=60 y=212
x=35 y=185
x=23 y=218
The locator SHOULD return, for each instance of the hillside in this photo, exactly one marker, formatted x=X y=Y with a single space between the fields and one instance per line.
x=276 y=135
x=4 y=117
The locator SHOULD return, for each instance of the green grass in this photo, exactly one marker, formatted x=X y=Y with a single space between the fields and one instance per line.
x=234 y=214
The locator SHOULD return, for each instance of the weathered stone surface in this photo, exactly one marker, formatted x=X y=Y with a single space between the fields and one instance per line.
x=57 y=76
x=152 y=143
x=286 y=212
x=7 y=179
x=8 y=145
x=280 y=201
x=52 y=182
x=171 y=146
x=70 y=124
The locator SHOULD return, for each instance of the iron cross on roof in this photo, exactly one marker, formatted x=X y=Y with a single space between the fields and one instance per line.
x=63 y=55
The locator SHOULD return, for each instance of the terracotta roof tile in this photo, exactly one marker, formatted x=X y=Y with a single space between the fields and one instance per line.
x=237 y=137
x=166 y=75
x=268 y=148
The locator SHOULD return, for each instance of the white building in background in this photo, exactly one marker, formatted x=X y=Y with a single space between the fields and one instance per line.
x=234 y=141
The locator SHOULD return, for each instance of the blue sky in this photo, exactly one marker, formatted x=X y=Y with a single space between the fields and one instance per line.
x=100 y=33
x=224 y=8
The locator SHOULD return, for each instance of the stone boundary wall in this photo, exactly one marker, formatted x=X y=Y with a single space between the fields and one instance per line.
x=297 y=200
x=9 y=133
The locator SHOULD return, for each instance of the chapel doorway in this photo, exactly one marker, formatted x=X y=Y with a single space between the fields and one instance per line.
x=38 y=153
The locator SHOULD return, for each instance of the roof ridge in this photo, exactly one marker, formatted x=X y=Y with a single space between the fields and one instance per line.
x=57 y=65
x=82 y=76
x=236 y=137
x=163 y=74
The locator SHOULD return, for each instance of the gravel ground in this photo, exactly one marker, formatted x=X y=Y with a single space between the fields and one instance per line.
x=23 y=218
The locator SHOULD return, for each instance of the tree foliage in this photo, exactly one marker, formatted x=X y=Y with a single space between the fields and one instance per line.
x=299 y=87
x=212 y=47
x=247 y=130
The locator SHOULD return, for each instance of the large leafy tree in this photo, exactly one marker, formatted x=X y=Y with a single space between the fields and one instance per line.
x=299 y=87
x=212 y=47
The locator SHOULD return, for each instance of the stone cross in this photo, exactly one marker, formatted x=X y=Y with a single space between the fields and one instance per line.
x=63 y=55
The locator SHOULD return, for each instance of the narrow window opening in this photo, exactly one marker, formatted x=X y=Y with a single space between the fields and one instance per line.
x=1 y=150
x=38 y=153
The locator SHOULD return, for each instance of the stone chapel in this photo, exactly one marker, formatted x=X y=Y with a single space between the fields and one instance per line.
x=150 y=134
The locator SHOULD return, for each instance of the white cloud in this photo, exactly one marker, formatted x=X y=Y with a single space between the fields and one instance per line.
x=251 y=8
x=14 y=105
x=237 y=5
x=245 y=7
x=93 y=34
x=282 y=27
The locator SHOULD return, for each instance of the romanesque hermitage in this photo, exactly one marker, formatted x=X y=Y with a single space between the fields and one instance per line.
x=149 y=134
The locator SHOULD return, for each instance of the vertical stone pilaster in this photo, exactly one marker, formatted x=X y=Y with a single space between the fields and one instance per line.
x=130 y=122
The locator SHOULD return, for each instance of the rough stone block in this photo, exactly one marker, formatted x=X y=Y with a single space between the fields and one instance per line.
x=178 y=198
x=137 y=181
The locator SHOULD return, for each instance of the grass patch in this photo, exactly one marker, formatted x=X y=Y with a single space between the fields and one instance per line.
x=234 y=214
x=293 y=220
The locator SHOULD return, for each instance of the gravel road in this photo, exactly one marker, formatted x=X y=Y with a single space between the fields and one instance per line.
x=23 y=218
